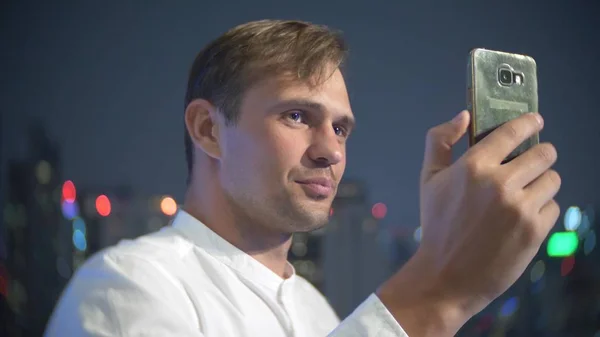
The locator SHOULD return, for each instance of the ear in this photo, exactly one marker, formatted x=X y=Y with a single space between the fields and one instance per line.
x=201 y=121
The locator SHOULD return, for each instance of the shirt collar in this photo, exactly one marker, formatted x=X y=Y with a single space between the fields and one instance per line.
x=245 y=265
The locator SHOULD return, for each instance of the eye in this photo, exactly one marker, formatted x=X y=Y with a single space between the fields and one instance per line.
x=296 y=116
x=340 y=131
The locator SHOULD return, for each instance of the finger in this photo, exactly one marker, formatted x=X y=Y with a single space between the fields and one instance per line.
x=543 y=189
x=501 y=142
x=531 y=164
x=549 y=215
x=439 y=142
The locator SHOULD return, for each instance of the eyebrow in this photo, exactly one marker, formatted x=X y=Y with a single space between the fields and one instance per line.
x=348 y=120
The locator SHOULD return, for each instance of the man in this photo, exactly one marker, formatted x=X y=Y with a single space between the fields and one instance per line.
x=267 y=118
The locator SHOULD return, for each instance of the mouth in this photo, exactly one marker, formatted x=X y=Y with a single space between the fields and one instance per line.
x=318 y=187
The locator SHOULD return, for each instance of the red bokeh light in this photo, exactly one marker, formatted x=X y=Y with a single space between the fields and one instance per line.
x=68 y=191
x=103 y=205
x=567 y=265
x=379 y=210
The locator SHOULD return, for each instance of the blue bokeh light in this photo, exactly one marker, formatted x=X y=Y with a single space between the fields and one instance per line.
x=572 y=218
x=79 y=240
x=70 y=209
x=509 y=307
x=590 y=243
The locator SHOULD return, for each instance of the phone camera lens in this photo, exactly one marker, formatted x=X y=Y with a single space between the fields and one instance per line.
x=505 y=76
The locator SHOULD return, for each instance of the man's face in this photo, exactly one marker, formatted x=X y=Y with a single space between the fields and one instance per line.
x=282 y=161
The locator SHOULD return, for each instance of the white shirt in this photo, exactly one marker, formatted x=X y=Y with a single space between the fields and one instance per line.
x=186 y=281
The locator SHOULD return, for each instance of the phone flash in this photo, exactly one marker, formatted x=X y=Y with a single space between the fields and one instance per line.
x=518 y=79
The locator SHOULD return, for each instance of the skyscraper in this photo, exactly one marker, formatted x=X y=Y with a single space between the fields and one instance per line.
x=37 y=235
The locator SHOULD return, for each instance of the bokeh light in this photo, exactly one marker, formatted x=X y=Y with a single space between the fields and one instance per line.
x=70 y=209
x=79 y=240
x=168 y=206
x=537 y=272
x=379 y=210
x=562 y=244
x=68 y=191
x=103 y=205
x=572 y=218
x=589 y=242
x=43 y=172
x=509 y=307
x=567 y=265
x=585 y=225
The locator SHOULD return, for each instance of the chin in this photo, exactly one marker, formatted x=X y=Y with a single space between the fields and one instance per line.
x=309 y=227
x=306 y=214
x=311 y=219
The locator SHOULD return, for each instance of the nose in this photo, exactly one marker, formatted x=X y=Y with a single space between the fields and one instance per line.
x=326 y=148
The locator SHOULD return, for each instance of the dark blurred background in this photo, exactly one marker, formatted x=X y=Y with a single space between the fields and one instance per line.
x=92 y=140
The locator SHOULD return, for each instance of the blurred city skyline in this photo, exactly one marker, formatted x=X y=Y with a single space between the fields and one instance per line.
x=108 y=79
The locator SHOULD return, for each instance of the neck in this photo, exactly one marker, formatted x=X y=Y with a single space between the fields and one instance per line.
x=209 y=205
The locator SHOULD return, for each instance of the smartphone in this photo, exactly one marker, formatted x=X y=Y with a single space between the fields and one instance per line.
x=500 y=86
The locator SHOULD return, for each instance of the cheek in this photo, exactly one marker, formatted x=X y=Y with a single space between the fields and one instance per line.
x=287 y=147
x=261 y=158
x=240 y=162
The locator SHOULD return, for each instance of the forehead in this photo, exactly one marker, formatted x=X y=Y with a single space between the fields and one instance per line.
x=330 y=95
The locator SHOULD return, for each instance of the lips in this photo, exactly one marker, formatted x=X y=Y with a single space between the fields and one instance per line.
x=318 y=187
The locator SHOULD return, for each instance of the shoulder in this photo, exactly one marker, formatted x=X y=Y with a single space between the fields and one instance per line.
x=166 y=243
x=133 y=259
x=129 y=282
x=143 y=261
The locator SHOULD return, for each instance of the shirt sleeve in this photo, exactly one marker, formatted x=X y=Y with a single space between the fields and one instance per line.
x=370 y=319
x=103 y=300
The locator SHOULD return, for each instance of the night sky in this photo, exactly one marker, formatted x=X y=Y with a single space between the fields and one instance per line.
x=107 y=79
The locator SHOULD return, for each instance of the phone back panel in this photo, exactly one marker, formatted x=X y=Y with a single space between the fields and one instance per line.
x=493 y=100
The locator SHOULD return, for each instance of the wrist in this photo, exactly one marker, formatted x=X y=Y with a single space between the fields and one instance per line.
x=420 y=304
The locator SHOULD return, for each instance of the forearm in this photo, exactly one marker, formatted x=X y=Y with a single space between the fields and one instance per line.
x=418 y=304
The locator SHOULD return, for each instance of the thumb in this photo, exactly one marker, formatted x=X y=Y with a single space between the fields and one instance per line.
x=439 y=142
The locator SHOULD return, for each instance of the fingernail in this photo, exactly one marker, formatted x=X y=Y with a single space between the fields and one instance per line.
x=458 y=118
x=539 y=118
